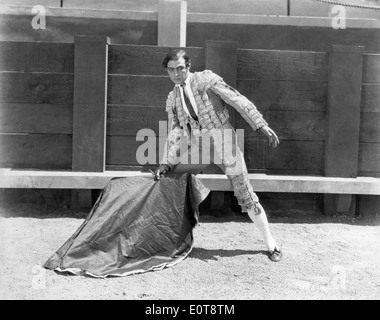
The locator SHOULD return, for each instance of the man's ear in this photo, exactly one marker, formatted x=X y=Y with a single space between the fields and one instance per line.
x=189 y=65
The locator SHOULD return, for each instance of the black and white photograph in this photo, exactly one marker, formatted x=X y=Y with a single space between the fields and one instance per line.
x=189 y=155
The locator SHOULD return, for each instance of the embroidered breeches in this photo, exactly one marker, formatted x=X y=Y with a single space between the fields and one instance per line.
x=220 y=147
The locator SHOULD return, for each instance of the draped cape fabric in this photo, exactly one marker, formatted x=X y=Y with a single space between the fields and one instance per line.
x=136 y=225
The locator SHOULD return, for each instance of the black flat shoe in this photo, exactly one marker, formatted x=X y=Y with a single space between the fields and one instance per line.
x=275 y=255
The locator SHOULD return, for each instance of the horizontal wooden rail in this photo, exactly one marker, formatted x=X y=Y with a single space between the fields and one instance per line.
x=83 y=13
x=10 y=178
x=195 y=17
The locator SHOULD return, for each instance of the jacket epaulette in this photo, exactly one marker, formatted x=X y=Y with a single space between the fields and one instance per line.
x=206 y=79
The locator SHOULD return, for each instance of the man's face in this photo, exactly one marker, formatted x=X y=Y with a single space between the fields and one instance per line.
x=177 y=70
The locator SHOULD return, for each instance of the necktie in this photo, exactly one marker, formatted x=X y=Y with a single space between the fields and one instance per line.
x=188 y=103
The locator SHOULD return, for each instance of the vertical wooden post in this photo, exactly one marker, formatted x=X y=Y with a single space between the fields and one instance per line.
x=90 y=106
x=342 y=142
x=172 y=21
x=221 y=58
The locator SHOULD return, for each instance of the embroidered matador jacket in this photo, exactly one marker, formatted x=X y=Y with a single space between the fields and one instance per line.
x=211 y=95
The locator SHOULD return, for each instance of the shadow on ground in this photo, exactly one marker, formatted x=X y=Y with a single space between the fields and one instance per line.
x=210 y=254
x=44 y=211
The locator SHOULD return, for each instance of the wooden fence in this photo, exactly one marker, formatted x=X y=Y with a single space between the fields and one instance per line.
x=36 y=97
x=289 y=87
x=63 y=108
x=255 y=24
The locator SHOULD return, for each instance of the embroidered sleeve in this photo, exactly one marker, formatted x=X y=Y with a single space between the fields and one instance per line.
x=173 y=120
x=172 y=144
x=244 y=106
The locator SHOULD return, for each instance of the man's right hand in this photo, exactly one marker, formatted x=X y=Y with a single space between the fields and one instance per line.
x=162 y=169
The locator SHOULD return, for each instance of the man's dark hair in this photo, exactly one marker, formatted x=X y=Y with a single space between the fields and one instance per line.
x=176 y=54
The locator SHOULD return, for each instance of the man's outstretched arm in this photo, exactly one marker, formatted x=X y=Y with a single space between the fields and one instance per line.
x=246 y=108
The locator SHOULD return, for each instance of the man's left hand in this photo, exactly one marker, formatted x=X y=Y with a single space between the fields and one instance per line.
x=273 y=139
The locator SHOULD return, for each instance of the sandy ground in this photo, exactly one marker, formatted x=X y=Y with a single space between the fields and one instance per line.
x=324 y=258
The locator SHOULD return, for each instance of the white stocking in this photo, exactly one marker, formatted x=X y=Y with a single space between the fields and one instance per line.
x=261 y=221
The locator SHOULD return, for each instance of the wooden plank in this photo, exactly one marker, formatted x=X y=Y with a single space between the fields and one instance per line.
x=129 y=120
x=342 y=144
x=370 y=100
x=301 y=184
x=257 y=7
x=36 y=118
x=37 y=57
x=90 y=105
x=297 y=155
x=369 y=158
x=369 y=174
x=369 y=127
x=81 y=199
x=47 y=3
x=343 y=114
x=83 y=13
x=261 y=182
x=44 y=197
x=133 y=94
x=288 y=172
x=294 y=21
x=345 y=203
x=68 y=23
x=50 y=88
x=147 y=60
x=282 y=65
x=89 y=110
x=217 y=53
x=121 y=150
x=309 y=8
x=301 y=137
x=371 y=68
x=368 y=205
x=141 y=5
x=277 y=33
x=134 y=168
x=337 y=204
x=60 y=179
x=283 y=204
x=285 y=95
x=255 y=153
x=301 y=126
x=292 y=125
x=40 y=151
x=172 y=23
x=301 y=156
x=221 y=6
x=139 y=90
